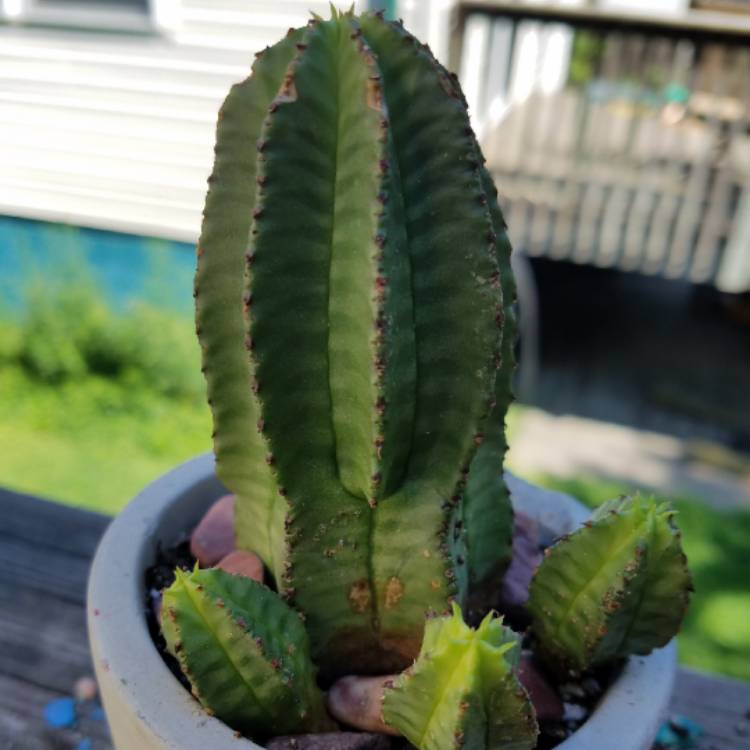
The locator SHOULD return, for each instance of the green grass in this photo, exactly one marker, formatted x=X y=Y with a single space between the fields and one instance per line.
x=92 y=442
x=716 y=634
x=95 y=404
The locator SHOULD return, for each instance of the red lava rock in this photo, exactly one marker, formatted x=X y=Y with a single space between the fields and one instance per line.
x=85 y=689
x=546 y=701
x=213 y=537
x=526 y=558
x=241 y=563
x=358 y=702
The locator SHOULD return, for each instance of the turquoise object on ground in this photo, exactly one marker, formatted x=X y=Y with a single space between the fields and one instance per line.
x=678 y=732
x=61 y=713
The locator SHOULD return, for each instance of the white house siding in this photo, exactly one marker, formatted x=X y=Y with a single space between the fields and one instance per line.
x=116 y=131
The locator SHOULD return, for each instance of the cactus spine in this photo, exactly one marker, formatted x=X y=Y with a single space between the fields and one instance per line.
x=352 y=374
x=618 y=586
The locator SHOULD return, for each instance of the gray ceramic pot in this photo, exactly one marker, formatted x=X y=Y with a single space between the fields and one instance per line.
x=149 y=710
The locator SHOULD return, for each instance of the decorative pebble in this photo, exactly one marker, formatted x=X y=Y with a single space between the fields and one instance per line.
x=547 y=703
x=526 y=558
x=334 y=741
x=574 y=712
x=572 y=692
x=213 y=537
x=241 y=563
x=358 y=702
x=61 y=713
x=85 y=689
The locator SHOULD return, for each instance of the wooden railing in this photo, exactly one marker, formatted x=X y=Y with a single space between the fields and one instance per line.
x=616 y=139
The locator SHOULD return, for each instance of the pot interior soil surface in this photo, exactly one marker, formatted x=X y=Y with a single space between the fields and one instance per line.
x=579 y=697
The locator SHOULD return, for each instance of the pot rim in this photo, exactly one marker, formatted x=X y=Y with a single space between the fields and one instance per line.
x=134 y=678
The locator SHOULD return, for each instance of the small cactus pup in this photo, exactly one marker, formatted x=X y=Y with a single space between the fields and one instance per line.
x=618 y=586
x=245 y=653
x=353 y=297
x=463 y=690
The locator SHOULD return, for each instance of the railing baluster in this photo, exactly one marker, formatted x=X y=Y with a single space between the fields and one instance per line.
x=616 y=137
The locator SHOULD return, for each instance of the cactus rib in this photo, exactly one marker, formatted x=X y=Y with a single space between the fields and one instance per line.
x=240 y=452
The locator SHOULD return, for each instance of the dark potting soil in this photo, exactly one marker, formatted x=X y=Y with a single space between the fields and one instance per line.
x=159 y=577
x=579 y=697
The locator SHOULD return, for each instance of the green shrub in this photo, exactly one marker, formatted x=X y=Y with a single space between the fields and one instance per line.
x=69 y=332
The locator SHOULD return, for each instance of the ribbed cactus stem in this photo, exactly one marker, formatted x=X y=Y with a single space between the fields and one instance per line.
x=352 y=375
x=618 y=586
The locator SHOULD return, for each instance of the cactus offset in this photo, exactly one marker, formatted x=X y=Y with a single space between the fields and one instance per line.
x=463 y=690
x=245 y=653
x=618 y=586
x=350 y=396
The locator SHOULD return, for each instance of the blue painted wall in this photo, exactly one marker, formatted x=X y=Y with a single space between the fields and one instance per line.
x=125 y=267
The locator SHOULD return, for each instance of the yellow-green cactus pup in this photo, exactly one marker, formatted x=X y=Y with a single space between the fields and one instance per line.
x=618 y=586
x=462 y=692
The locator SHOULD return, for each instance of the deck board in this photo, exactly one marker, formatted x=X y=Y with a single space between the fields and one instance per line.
x=45 y=550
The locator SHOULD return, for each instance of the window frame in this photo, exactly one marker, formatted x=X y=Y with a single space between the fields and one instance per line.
x=156 y=17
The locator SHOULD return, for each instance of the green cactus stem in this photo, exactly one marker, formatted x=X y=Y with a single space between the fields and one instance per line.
x=463 y=692
x=618 y=586
x=482 y=527
x=355 y=371
x=245 y=653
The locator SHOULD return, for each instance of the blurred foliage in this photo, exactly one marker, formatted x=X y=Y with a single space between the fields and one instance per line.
x=68 y=333
x=96 y=404
x=588 y=48
x=716 y=634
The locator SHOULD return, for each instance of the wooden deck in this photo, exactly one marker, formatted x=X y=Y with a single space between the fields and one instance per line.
x=45 y=550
